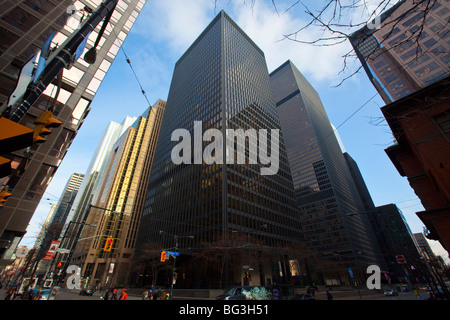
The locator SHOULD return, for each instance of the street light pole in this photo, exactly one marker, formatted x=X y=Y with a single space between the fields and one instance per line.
x=173 y=268
x=78 y=234
x=176 y=237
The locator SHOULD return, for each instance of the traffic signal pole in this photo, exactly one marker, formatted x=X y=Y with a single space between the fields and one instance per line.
x=62 y=59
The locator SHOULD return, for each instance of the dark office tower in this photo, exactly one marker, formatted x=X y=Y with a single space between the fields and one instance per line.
x=408 y=50
x=68 y=196
x=324 y=187
x=62 y=210
x=221 y=81
x=395 y=238
x=359 y=182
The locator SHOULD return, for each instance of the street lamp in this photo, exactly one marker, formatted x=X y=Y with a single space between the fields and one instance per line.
x=176 y=237
x=77 y=235
x=249 y=266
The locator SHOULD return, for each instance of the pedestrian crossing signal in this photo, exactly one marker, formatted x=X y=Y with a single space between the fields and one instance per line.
x=163 y=256
x=108 y=244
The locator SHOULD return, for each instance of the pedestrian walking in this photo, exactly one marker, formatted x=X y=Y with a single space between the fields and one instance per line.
x=124 y=295
x=158 y=293
x=416 y=292
x=11 y=293
x=312 y=290
x=107 y=294
x=114 y=294
x=329 y=295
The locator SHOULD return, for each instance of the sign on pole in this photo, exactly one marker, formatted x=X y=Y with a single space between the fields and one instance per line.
x=350 y=273
x=52 y=250
x=172 y=253
x=163 y=256
x=400 y=259
x=22 y=251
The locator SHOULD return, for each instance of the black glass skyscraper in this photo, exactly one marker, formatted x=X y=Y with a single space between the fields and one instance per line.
x=335 y=224
x=222 y=82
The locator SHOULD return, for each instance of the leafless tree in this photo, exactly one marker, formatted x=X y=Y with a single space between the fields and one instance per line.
x=149 y=256
x=338 y=21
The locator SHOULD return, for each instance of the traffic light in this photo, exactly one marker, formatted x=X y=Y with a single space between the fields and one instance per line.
x=5 y=167
x=44 y=121
x=14 y=136
x=4 y=195
x=163 y=256
x=108 y=244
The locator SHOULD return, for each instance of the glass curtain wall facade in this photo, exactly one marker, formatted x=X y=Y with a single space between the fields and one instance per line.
x=395 y=238
x=324 y=187
x=67 y=198
x=222 y=81
x=77 y=217
x=119 y=202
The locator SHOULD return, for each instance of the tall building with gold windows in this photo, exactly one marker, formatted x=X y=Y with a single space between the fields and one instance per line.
x=25 y=26
x=117 y=207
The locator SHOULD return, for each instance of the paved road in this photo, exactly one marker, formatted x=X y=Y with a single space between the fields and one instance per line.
x=66 y=294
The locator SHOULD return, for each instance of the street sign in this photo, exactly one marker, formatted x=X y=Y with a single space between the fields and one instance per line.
x=52 y=250
x=172 y=253
x=22 y=251
x=350 y=273
x=400 y=259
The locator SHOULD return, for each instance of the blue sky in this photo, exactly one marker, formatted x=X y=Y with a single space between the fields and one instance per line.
x=162 y=33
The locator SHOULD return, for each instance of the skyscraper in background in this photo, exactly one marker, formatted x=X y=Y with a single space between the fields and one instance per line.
x=67 y=198
x=118 y=202
x=395 y=238
x=325 y=191
x=24 y=27
x=221 y=81
x=51 y=230
x=77 y=217
x=40 y=237
x=409 y=51
x=359 y=182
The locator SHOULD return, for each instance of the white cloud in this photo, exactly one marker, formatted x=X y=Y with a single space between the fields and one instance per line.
x=267 y=28
x=176 y=23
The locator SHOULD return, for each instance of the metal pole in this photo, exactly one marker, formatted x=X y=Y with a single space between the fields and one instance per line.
x=173 y=269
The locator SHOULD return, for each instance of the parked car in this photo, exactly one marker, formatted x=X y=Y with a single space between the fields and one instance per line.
x=303 y=296
x=43 y=295
x=246 y=293
x=390 y=293
x=86 y=291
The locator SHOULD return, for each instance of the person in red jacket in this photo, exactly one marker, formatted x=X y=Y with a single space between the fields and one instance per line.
x=124 y=295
